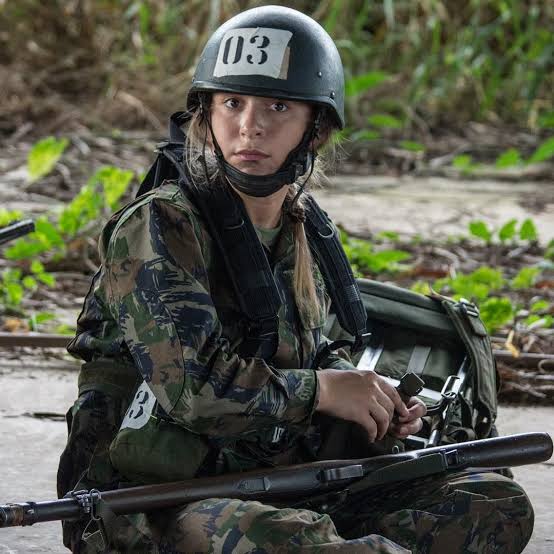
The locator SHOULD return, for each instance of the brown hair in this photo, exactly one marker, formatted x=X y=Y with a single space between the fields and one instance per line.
x=303 y=282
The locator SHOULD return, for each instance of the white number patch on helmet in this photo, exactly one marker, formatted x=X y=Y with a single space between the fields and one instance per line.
x=141 y=407
x=254 y=51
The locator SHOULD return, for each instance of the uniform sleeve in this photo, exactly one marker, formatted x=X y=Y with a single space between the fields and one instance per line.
x=158 y=292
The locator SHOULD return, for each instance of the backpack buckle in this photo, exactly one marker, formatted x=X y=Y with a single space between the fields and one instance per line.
x=468 y=308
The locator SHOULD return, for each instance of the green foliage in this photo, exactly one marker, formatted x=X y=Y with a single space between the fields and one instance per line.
x=101 y=194
x=544 y=152
x=384 y=121
x=37 y=320
x=480 y=230
x=44 y=239
x=508 y=158
x=525 y=278
x=464 y=163
x=13 y=283
x=528 y=231
x=474 y=286
x=362 y=83
x=546 y=120
x=366 y=260
x=479 y=61
x=534 y=321
x=539 y=306
x=412 y=146
x=43 y=157
x=421 y=287
x=508 y=230
x=496 y=312
x=9 y=216
x=102 y=191
x=388 y=235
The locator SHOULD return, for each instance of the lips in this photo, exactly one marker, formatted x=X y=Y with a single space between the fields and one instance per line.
x=251 y=155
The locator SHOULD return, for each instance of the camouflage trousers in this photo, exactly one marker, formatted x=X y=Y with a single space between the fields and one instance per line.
x=463 y=513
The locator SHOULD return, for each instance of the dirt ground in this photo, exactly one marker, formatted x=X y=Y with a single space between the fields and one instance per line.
x=31 y=448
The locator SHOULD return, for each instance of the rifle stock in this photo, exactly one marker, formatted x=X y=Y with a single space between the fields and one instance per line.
x=292 y=482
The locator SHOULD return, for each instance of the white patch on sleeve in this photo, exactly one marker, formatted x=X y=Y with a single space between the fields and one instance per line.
x=254 y=51
x=141 y=407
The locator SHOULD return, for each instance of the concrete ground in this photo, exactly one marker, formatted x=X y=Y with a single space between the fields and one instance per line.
x=30 y=448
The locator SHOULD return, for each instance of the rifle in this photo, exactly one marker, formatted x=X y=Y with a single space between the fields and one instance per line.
x=15 y=230
x=291 y=483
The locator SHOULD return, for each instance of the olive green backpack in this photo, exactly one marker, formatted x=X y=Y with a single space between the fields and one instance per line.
x=445 y=343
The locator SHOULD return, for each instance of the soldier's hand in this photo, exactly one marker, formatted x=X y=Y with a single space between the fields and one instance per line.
x=360 y=396
x=411 y=424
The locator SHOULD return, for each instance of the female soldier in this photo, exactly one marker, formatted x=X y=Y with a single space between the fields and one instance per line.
x=213 y=396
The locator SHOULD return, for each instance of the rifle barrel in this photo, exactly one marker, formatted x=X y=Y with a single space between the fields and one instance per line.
x=298 y=481
x=15 y=230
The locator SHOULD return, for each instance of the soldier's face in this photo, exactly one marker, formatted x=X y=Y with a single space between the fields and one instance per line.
x=256 y=133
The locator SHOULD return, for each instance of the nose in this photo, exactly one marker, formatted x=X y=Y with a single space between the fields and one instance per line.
x=251 y=122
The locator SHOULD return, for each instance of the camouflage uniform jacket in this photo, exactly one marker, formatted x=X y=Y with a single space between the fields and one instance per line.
x=163 y=301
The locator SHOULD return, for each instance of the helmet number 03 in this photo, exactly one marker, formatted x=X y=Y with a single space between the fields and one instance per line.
x=253 y=51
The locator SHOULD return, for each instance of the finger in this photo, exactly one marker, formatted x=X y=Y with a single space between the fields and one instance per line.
x=370 y=426
x=381 y=418
x=393 y=394
x=401 y=431
x=386 y=402
x=417 y=409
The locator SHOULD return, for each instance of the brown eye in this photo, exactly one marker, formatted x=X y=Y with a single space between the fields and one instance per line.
x=231 y=102
x=279 y=106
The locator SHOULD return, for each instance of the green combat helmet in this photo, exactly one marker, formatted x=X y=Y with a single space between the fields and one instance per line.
x=280 y=53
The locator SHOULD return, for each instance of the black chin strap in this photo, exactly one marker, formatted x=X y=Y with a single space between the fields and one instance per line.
x=296 y=164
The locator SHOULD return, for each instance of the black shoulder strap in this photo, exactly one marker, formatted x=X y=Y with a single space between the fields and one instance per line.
x=164 y=168
x=247 y=266
x=337 y=273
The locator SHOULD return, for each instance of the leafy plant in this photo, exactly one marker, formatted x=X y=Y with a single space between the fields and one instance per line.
x=481 y=230
x=474 y=286
x=508 y=158
x=43 y=157
x=508 y=230
x=366 y=260
x=525 y=278
x=464 y=163
x=13 y=284
x=528 y=231
x=496 y=312
x=544 y=152
x=102 y=193
x=9 y=216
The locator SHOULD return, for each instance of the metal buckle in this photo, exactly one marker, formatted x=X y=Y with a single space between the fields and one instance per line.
x=469 y=308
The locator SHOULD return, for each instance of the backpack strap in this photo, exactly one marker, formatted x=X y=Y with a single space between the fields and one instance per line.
x=343 y=289
x=164 y=168
x=465 y=317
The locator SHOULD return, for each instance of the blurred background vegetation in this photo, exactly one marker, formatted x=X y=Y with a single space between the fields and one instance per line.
x=413 y=67
x=448 y=87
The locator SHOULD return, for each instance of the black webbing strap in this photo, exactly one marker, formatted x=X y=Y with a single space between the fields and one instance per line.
x=164 y=168
x=244 y=257
x=247 y=266
x=337 y=273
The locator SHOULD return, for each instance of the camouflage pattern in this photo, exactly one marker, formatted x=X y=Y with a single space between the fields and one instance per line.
x=162 y=301
x=467 y=513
